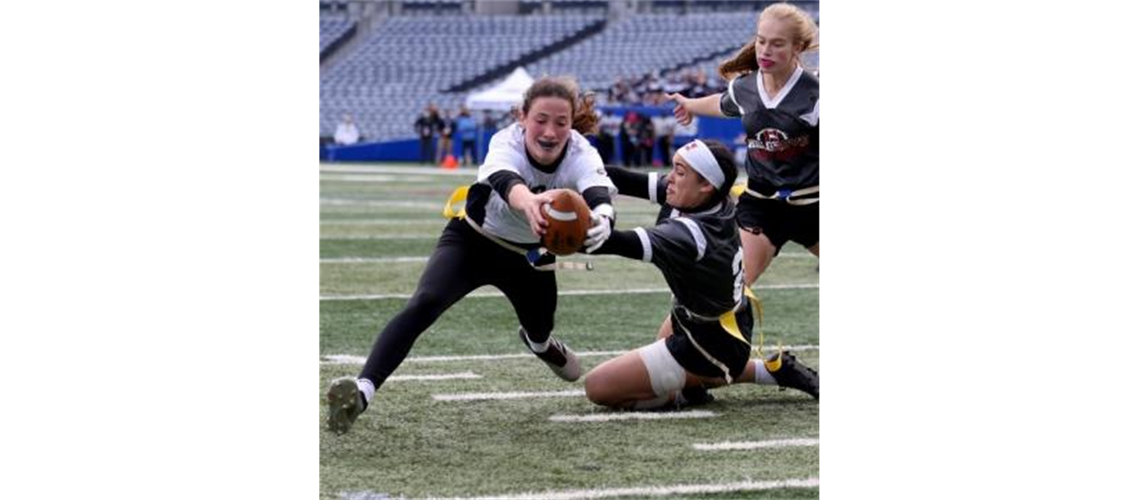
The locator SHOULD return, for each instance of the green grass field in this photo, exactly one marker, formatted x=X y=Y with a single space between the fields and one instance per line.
x=378 y=225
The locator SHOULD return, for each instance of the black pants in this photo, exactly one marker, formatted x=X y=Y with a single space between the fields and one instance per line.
x=469 y=147
x=464 y=260
x=427 y=153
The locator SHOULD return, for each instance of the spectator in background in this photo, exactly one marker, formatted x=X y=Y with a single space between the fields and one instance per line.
x=607 y=139
x=645 y=140
x=446 y=129
x=425 y=129
x=664 y=127
x=346 y=132
x=466 y=128
x=628 y=137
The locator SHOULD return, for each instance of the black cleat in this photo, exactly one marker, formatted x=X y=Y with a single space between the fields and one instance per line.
x=345 y=404
x=791 y=373
x=695 y=396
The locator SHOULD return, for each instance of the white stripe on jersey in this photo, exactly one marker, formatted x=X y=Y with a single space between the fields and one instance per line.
x=646 y=248
x=653 y=187
x=732 y=95
x=813 y=117
x=698 y=235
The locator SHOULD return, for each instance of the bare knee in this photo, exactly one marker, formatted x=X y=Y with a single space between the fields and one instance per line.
x=598 y=391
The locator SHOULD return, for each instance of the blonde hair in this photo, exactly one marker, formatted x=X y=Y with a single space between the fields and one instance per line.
x=584 y=120
x=805 y=37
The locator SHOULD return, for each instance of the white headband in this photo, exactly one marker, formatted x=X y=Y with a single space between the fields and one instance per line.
x=698 y=156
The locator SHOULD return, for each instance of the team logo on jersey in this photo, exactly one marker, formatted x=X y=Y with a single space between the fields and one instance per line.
x=775 y=143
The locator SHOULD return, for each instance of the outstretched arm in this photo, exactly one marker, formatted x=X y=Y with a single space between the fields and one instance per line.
x=637 y=184
x=686 y=108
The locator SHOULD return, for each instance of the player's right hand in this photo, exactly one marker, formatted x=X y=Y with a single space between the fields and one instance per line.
x=681 y=110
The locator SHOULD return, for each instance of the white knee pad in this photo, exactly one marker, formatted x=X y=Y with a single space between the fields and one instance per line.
x=665 y=374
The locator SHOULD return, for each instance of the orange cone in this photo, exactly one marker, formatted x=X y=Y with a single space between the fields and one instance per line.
x=449 y=163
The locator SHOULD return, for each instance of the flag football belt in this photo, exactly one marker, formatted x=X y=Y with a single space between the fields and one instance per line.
x=805 y=196
x=532 y=255
x=728 y=323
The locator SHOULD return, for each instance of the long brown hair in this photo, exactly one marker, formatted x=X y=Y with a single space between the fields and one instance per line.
x=585 y=121
x=805 y=37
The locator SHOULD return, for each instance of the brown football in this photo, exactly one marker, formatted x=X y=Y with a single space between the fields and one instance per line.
x=568 y=218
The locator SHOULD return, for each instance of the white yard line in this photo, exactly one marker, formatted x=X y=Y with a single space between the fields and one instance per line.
x=437 y=376
x=653 y=491
x=349 y=359
x=428 y=236
x=393 y=169
x=384 y=222
x=397 y=221
x=378 y=178
x=485 y=396
x=753 y=445
x=345 y=202
x=630 y=291
x=633 y=415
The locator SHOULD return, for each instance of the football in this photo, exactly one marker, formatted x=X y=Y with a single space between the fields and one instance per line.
x=568 y=218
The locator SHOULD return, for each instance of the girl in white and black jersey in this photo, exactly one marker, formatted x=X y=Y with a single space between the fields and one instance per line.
x=497 y=240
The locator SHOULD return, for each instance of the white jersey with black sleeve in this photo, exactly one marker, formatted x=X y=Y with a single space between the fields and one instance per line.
x=580 y=168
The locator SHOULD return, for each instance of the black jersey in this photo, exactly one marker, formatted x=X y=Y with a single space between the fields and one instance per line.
x=700 y=256
x=698 y=253
x=782 y=132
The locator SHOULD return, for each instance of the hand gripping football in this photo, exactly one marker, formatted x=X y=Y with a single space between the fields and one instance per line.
x=567 y=217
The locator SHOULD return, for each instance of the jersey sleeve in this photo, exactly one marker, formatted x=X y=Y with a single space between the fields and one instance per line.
x=591 y=172
x=729 y=105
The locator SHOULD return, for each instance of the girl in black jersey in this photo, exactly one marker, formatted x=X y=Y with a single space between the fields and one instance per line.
x=778 y=103
x=696 y=246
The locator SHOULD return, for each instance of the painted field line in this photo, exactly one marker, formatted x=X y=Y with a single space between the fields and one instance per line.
x=654 y=491
x=347 y=202
x=439 y=376
x=633 y=415
x=384 y=222
x=424 y=258
x=348 y=359
x=429 y=236
x=753 y=445
x=486 y=396
x=630 y=291
x=393 y=169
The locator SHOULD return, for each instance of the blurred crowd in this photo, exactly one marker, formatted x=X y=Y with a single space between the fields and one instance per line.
x=650 y=89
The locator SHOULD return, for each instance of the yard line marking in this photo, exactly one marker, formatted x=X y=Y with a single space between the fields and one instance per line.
x=418 y=171
x=377 y=203
x=463 y=376
x=633 y=415
x=383 y=222
x=355 y=360
x=506 y=395
x=562 y=293
x=758 y=444
x=659 y=491
x=374 y=237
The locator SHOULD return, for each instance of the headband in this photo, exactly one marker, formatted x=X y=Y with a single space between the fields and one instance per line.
x=701 y=159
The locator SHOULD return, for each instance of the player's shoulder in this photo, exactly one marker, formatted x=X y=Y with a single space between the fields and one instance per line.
x=582 y=153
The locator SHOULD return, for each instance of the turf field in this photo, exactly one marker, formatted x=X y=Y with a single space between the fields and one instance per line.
x=472 y=414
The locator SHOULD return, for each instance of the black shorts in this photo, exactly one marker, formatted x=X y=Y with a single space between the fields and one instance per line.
x=778 y=220
x=719 y=344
